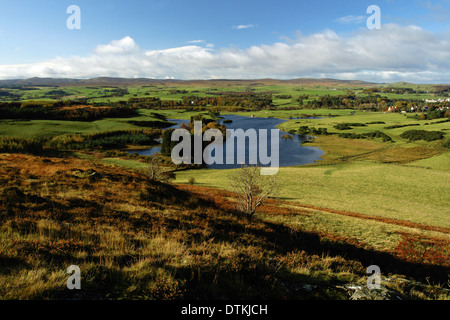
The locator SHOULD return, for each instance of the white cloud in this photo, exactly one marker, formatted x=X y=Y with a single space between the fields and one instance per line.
x=394 y=53
x=196 y=41
x=244 y=26
x=351 y=19
x=207 y=45
x=125 y=45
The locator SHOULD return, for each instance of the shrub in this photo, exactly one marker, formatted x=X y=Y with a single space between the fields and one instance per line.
x=51 y=110
x=104 y=140
x=283 y=96
x=414 y=135
x=307 y=130
x=436 y=114
x=356 y=124
x=191 y=180
x=152 y=124
x=167 y=143
x=287 y=137
x=378 y=134
x=19 y=145
x=402 y=126
x=168 y=176
x=156 y=170
x=342 y=126
x=303 y=130
x=348 y=126
x=421 y=249
x=446 y=143
x=375 y=134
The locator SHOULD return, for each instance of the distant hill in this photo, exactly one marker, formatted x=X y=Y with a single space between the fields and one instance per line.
x=329 y=82
x=39 y=82
x=71 y=82
x=110 y=81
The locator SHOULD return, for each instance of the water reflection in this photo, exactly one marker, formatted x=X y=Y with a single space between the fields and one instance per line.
x=292 y=153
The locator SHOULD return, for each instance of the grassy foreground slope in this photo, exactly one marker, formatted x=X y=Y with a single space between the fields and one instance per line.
x=138 y=239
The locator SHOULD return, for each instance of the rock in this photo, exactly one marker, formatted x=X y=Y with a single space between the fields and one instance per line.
x=297 y=287
x=364 y=293
x=85 y=174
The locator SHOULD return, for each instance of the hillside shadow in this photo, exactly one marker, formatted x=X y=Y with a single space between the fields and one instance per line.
x=282 y=240
x=53 y=153
x=285 y=237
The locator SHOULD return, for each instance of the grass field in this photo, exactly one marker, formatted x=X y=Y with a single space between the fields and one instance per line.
x=388 y=119
x=103 y=92
x=51 y=128
x=441 y=162
x=387 y=190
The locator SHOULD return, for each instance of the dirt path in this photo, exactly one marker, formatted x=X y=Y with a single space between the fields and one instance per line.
x=213 y=193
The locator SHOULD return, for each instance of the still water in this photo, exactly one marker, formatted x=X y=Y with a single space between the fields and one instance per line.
x=291 y=152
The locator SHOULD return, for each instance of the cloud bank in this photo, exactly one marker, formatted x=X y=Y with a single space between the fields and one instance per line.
x=394 y=53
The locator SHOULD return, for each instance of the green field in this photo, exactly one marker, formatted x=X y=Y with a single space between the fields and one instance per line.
x=387 y=190
x=166 y=90
x=52 y=128
x=389 y=119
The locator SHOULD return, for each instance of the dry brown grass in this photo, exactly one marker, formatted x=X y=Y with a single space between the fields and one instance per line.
x=341 y=150
x=40 y=165
x=138 y=239
x=397 y=154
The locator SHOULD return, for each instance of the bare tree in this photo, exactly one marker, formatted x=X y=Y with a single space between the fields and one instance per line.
x=157 y=172
x=252 y=188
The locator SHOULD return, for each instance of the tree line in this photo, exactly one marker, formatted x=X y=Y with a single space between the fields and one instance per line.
x=48 y=110
x=374 y=103
x=107 y=140
x=237 y=102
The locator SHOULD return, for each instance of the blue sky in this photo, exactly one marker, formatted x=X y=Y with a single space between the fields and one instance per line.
x=168 y=36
